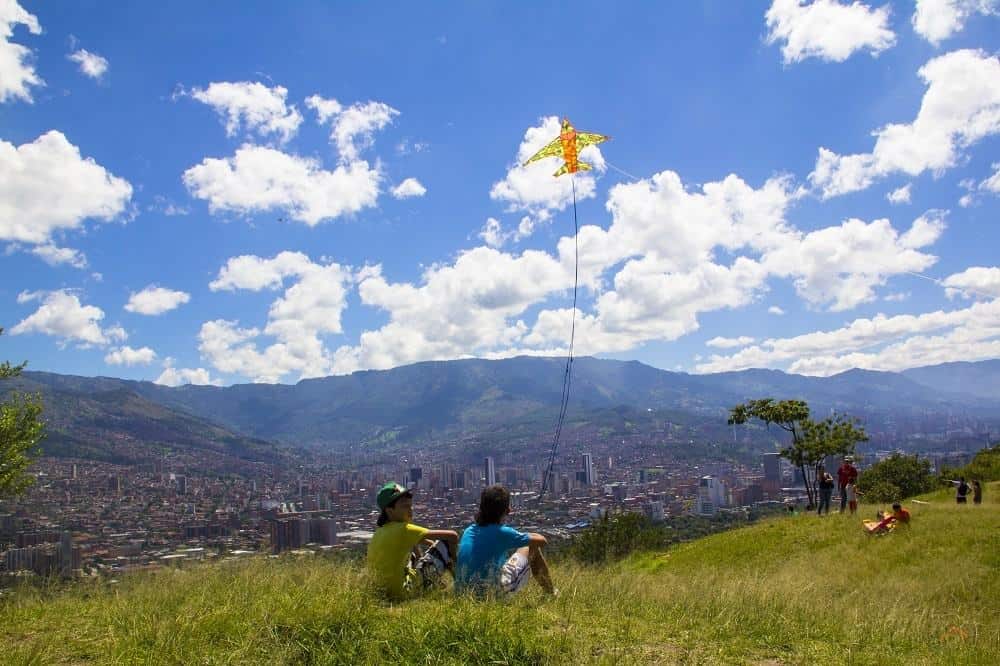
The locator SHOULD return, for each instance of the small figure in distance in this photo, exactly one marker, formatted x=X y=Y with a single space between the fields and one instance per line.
x=899 y=516
x=846 y=474
x=485 y=562
x=961 y=490
x=398 y=567
x=851 y=491
x=825 y=483
x=977 y=492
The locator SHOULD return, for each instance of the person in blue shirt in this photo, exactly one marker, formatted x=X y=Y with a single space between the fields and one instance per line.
x=485 y=561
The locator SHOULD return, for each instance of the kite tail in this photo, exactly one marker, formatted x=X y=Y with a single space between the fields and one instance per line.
x=568 y=373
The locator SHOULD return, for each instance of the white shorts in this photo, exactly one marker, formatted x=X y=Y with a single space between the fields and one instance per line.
x=515 y=574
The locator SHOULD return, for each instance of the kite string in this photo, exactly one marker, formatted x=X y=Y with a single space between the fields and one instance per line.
x=568 y=373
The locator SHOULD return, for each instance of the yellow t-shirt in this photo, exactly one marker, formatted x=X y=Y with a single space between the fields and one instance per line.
x=389 y=553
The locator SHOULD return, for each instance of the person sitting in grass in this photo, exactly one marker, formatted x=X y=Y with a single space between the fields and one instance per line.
x=396 y=564
x=485 y=562
x=899 y=516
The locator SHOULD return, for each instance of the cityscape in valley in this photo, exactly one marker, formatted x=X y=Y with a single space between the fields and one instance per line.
x=157 y=503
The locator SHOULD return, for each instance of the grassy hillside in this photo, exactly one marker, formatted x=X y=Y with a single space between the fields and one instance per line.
x=792 y=590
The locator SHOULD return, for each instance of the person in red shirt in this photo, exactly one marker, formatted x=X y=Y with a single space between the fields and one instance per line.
x=899 y=516
x=847 y=474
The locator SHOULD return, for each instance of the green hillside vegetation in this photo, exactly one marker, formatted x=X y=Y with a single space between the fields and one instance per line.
x=795 y=589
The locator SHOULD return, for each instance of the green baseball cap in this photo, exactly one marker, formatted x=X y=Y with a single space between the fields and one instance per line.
x=389 y=493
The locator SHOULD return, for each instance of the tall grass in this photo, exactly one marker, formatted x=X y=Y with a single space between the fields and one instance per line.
x=799 y=589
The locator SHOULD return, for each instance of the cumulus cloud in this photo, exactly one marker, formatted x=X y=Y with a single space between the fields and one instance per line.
x=937 y=20
x=960 y=107
x=251 y=106
x=17 y=72
x=411 y=187
x=259 y=179
x=56 y=256
x=827 y=29
x=62 y=315
x=129 y=357
x=47 y=187
x=309 y=309
x=353 y=127
x=877 y=343
x=532 y=188
x=493 y=234
x=975 y=281
x=172 y=376
x=900 y=195
x=727 y=343
x=992 y=184
x=155 y=300
x=775 y=310
x=91 y=64
x=842 y=265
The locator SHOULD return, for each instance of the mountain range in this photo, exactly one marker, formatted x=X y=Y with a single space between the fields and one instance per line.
x=432 y=401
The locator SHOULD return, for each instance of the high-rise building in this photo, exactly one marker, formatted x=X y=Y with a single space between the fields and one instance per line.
x=182 y=486
x=490 y=471
x=772 y=467
x=416 y=473
x=588 y=469
x=74 y=470
x=458 y=479
x=654 y=511
x=711 y=495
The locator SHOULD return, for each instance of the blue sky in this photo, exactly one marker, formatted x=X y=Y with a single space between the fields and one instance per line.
x=254 y=192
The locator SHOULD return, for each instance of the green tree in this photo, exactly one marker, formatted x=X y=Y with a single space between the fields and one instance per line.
x=21 y=429
x=984 y=467
x=812 y=441
x=895 y=478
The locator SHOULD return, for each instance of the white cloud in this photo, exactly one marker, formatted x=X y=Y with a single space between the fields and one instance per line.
x=55 y=256
x=352 y=128
x=17 y=73
x=254 y=273
x=47 y=186
x=975 y=281
x=91 y=64
x=253 y=106
x=155 y=300
x=128 y=356
x=937 y=20
x=900 y=195
x=897 y=297
x=411 y=187
x=960 y=107
x=309 y=309
x=827 y=29
x=62 y=315
x=775 y=310
x=992 y=184
x=727 y=343
x=493 y=234
x=903 y=341
x=844 y=264
x=258 y=179
x=533 y=188
x=172 y=376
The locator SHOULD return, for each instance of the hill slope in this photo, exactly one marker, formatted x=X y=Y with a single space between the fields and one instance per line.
x=795 y=589
x=435 y=400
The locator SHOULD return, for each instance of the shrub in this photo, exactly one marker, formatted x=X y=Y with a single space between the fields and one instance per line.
x=896 y=478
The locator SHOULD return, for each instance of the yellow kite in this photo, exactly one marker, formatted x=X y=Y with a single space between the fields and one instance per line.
x=568 y=145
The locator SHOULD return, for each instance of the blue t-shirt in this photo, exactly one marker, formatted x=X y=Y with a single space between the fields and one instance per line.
x=482 y=552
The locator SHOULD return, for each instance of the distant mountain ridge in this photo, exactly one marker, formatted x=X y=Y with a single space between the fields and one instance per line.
x=438 y=399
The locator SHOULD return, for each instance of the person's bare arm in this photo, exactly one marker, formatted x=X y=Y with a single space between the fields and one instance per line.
x=536 y=541
x=450 y=537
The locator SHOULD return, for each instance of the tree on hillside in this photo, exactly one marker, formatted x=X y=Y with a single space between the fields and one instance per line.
x=895 y=478
x=812 y=441
x=985 y=466
x=20 y=432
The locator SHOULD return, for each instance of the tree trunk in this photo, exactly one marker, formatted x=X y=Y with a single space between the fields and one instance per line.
x=805 y=480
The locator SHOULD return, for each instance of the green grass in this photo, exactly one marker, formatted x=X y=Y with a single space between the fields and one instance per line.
x=796 y=590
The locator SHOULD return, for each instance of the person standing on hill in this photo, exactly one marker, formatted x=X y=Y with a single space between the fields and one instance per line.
x=961 y=490
x=485 y=563
x=825 y=483
x=977 y=492
x=847 y=474
x=396 y=564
